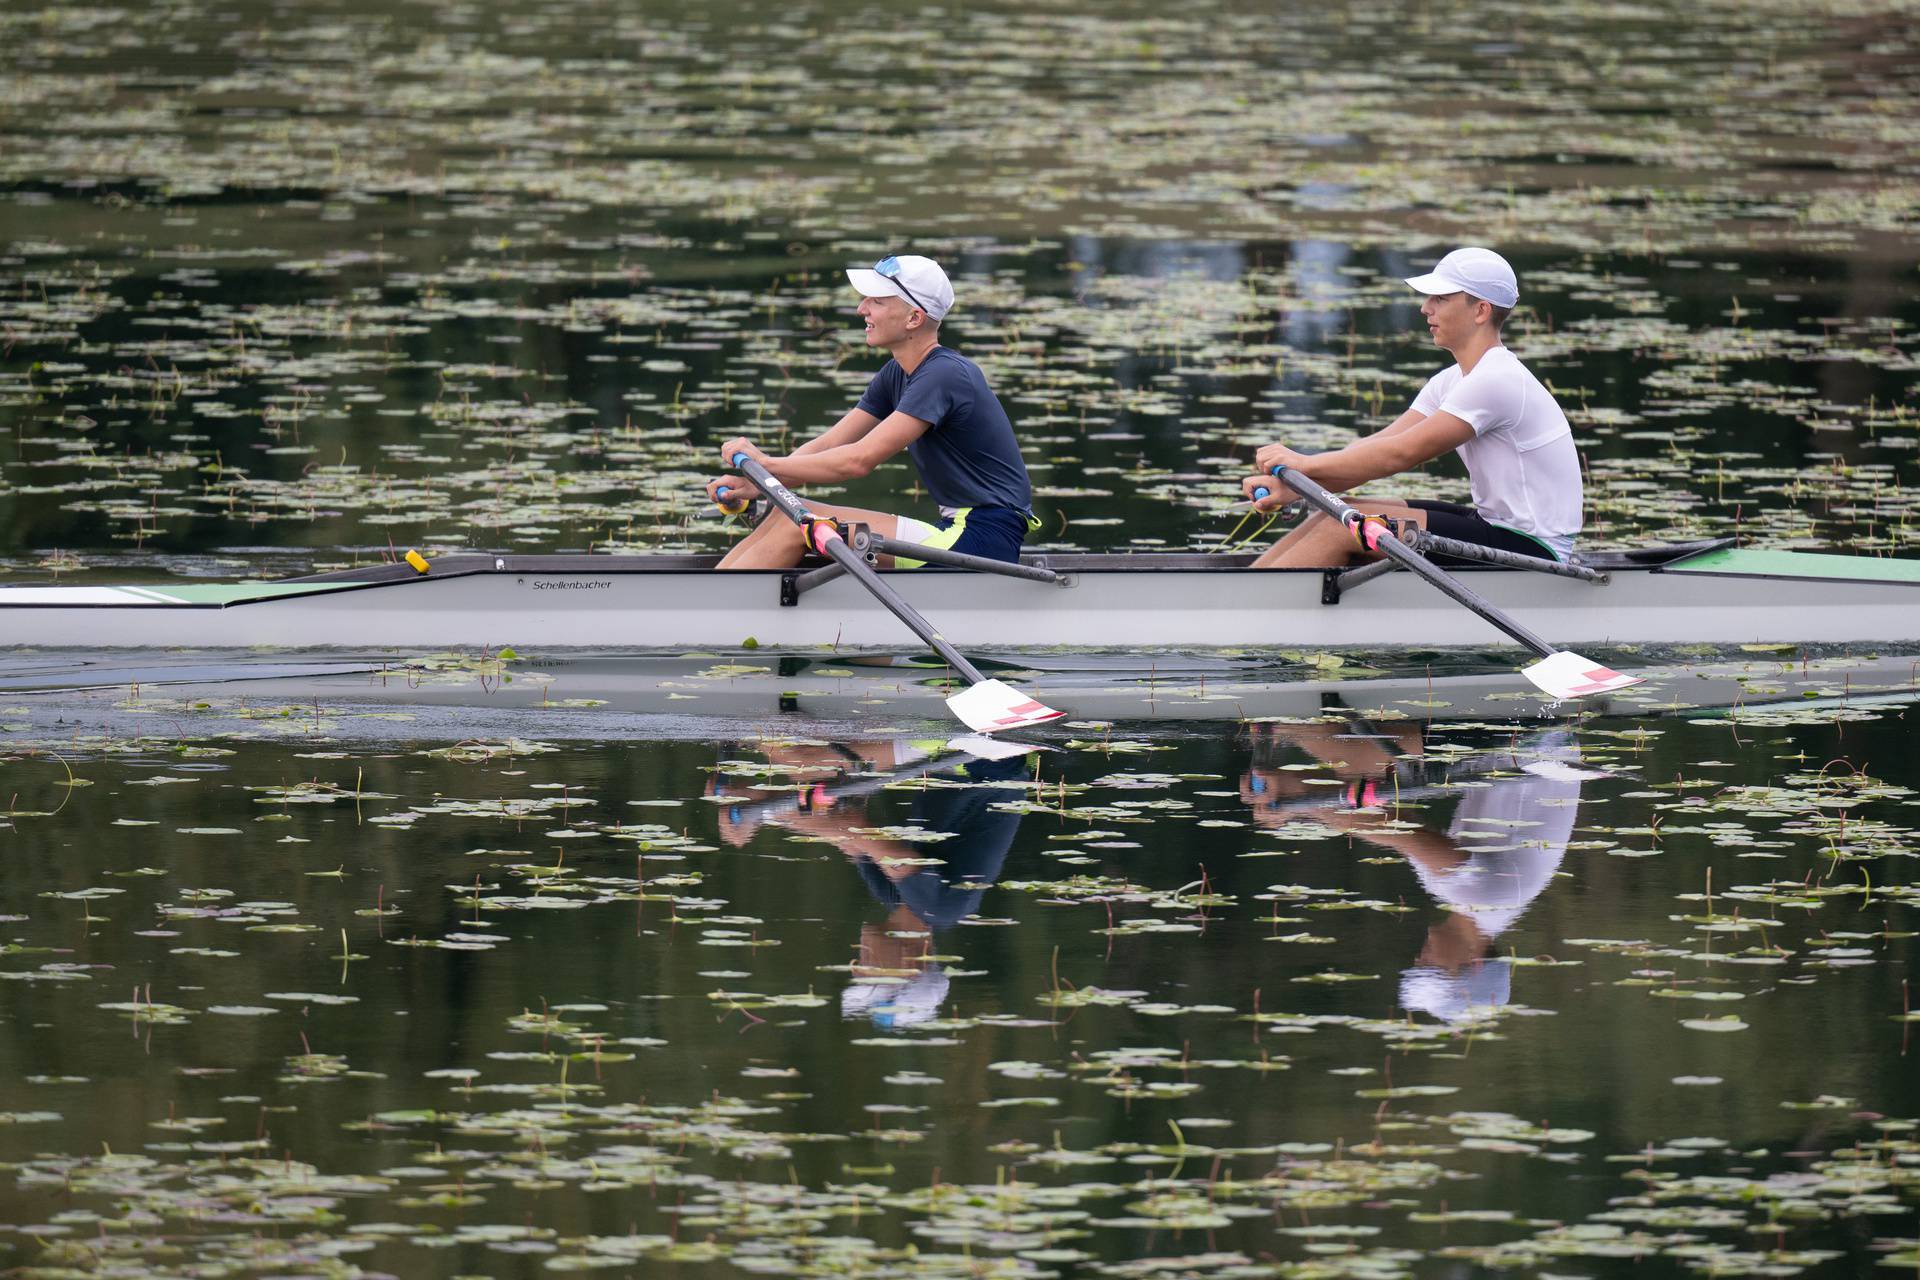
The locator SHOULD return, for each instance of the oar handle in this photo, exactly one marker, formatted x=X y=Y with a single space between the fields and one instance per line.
x=819 y=532
x=1377 y=536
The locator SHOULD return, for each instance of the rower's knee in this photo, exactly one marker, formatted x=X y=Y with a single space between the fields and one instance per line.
x=771 y=534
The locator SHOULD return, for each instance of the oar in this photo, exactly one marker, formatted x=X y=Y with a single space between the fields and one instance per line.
x=986 y=706
x=1560 y=673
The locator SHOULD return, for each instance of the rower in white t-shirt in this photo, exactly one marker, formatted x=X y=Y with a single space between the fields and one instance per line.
x=1524 y=470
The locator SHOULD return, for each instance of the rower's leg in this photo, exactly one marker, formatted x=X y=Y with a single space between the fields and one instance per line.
x=1320 y=542
x=779 y=544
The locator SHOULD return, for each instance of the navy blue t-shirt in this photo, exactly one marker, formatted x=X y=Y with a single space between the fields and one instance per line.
x=968 y=457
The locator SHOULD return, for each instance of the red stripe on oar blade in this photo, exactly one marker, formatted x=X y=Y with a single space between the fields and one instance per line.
x=1032 y=713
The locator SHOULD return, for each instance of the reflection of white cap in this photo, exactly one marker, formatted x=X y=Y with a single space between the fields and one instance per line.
x=1479 y=272
x=917 y=280
x=1474 y=992
x=898 y=1004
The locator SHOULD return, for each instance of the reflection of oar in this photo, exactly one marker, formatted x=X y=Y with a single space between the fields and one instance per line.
x=959 y=751
x=1560 y=673
x=1403 y=783
x=987 y=706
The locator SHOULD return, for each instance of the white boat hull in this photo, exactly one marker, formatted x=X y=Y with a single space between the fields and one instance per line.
x=545 y=603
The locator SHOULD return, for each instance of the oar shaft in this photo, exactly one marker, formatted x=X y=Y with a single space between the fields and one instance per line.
x=764 y=810
x=1429 y=543
x=958 y=559
x=836 y=548
x=1411 y=560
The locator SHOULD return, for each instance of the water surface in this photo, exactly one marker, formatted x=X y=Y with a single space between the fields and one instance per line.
x=400 y=968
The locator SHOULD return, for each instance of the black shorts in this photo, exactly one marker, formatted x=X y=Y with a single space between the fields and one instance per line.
x=1463 y=524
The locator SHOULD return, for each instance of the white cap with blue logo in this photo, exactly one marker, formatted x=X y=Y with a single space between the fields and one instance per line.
x=918 y=280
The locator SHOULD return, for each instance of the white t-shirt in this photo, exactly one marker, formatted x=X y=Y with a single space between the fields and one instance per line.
x=1521 y=460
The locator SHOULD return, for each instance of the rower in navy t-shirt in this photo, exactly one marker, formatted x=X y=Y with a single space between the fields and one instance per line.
x=928 y=400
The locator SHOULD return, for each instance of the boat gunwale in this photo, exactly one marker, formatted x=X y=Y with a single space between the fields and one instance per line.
x=1652 y=560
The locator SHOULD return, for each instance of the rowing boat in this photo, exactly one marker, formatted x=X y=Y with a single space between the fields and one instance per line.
x=1709 y=592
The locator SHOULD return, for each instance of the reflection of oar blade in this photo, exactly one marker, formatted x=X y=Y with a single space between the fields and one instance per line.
x=986 y=706
x=1560 y=673
x=984 y=748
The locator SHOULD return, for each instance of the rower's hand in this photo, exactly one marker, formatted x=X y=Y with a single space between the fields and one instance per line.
x=1277 y=455
x=740 y=491
x=740 y=444
x=1273 y=501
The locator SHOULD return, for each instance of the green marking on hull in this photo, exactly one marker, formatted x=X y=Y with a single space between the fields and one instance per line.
x=1759 y=562
x=225 y=593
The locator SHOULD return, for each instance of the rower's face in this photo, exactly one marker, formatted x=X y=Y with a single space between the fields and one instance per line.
x=1449 y=319
x=886 y=320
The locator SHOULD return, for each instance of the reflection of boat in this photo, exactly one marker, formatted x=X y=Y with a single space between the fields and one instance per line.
x=1697 y=593
x=704 y=696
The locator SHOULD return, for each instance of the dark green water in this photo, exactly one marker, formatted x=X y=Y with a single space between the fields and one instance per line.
x=1059 y=1009
x=294 y=285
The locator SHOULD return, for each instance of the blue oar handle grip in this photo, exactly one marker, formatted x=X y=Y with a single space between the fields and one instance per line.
x=1260 y=492
x=721 y=492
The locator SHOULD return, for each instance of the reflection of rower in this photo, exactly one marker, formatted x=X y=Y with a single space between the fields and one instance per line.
x=979 y=837
x=925 y=898
x=895 y=985
x=1506 y=839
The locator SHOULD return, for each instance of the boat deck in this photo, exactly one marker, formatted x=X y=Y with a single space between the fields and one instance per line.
x=1711 y=556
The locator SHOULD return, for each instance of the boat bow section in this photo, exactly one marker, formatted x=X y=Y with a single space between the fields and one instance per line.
x=1759 y=562
x=211 y=595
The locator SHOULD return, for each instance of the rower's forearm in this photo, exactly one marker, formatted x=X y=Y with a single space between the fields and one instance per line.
x=1364 y=460
x=824 y=466
x=852 y=426
x=1337 y=473
x=833 y=437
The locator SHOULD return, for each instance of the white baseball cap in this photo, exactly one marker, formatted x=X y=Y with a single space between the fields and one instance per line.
x=918 y=280
x=1479 y=272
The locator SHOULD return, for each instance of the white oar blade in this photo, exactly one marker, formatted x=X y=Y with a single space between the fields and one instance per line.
x=990 y=707
x=1567 y=675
